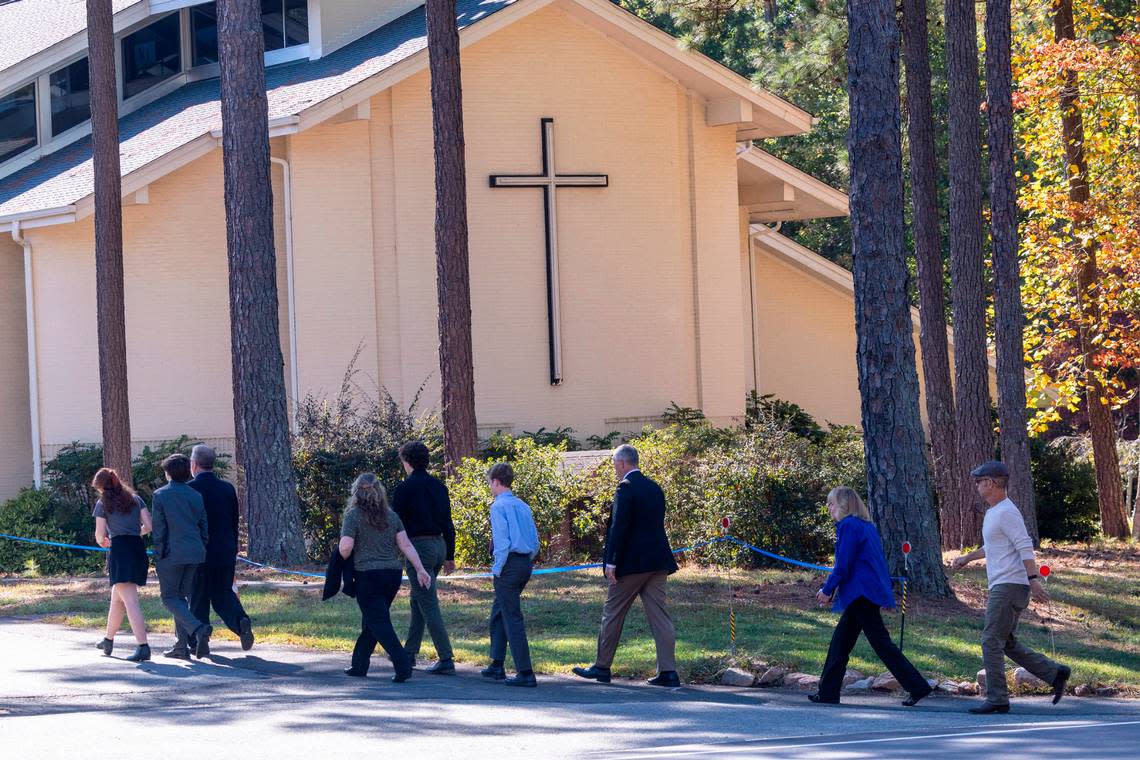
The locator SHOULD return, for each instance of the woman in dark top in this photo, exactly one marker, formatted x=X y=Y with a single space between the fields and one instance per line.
x=121 y=520
x=374 y=537
x=860 y=584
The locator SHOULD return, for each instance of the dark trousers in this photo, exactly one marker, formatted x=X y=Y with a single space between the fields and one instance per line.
x=214 y=585
x=507 y=624
x=176 y=584
x=425 y=601
x=863 y=615
x=375 y=590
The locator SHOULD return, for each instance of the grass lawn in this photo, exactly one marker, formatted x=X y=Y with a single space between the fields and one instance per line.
x=1095 y=617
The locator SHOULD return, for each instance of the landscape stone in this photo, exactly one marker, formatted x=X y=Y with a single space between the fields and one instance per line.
x=967 y=688
x=885 y=682
x=1023 y=678
x=851 y=676
x=862 y=685
x=737 y=677
x=1084 y=690
x=772 y=676
x=801 y=681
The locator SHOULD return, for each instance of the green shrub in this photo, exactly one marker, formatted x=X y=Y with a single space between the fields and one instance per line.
x=339 y=438
x=1064 y=487
x=68 y=476
x=39 y=514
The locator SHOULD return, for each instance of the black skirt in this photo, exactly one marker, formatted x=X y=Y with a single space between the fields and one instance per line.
x=127 y=562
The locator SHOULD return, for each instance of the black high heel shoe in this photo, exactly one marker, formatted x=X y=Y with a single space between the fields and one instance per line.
x=105 y=646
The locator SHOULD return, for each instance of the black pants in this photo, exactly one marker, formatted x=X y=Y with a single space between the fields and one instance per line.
x=863 y=615
x=214 y=585
x=375 y=590
x=507 y=625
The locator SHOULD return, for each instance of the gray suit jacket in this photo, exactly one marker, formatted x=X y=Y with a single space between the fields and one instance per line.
x=180 y=528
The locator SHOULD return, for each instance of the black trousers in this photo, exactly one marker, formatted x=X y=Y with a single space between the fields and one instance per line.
x=375 y=590
x=863 y=615
x=507 y=624
x=214 y=585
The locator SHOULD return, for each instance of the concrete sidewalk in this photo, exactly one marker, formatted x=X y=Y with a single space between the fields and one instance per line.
x=59 y=696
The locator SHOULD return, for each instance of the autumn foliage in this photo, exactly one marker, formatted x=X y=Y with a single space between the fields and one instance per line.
x=1058 y=233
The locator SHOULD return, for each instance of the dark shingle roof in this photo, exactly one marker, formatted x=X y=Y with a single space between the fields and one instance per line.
x=65 y=177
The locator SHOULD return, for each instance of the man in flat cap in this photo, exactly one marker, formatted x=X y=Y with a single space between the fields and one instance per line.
x=1011 y=568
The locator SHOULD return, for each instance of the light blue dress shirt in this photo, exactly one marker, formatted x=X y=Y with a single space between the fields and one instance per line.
x=512 y=529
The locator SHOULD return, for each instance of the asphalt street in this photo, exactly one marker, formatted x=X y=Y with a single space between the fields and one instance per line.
x=59 y=697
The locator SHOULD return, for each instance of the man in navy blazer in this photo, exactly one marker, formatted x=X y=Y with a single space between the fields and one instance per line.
x=214 y=583
x=638 y=561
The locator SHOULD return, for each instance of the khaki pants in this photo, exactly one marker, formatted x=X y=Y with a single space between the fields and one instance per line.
x=999 y=640
x=651 y=588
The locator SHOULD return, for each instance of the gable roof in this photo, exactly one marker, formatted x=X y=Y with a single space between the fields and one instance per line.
x=184 y=125
x=775 y=191
x=31 y=27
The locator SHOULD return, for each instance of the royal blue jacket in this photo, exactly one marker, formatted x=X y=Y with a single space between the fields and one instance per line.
x=860 y=567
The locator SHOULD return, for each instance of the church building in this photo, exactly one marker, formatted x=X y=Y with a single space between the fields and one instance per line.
x=625 y=244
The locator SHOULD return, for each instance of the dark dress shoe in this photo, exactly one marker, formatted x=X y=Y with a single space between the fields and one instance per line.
x=594 y=673
x=355 y=673
x=493 y=672
x=141 y=654
x=402 y=675
x=245 y=633
x=202 y=645
x=914 y=697
x=668 y=678
x=177 y=654
x=521 y=680
x=442 y=668
x=819 y=699
x=988 y=708
x=1063 y=673
x=105 y=646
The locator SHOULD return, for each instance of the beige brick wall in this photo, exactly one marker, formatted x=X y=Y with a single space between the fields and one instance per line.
x=626 y=259
x=805 y=341
x=177 y=311
x=15 y=421
x=363 y=226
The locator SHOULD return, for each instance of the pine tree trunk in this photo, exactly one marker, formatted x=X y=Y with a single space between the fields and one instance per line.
x=1009 y=316
x=453 y=280
x=110 y=315
x=928 y=254
x=898 y=485
x=260 y=415
x=1110 y=495
x=967 y=270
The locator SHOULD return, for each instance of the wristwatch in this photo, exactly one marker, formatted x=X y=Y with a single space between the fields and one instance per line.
x=1034 y=576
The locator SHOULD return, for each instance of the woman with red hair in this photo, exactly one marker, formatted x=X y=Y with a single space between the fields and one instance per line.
x=121 y=520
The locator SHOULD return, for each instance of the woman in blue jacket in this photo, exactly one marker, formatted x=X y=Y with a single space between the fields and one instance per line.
x=860 y=584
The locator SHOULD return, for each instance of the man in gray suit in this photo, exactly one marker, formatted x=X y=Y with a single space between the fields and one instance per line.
x=180 y=537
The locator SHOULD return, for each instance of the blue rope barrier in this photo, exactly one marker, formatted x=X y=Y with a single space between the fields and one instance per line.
x=469 y=576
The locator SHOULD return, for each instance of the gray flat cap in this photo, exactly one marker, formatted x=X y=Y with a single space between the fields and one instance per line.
x=991 y=470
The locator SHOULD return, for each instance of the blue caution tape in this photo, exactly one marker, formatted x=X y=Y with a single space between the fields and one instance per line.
x=471 y=576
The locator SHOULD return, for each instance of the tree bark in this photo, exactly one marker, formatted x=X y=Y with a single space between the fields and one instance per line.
x=898 y=485
x=453 y=280
x=1009 y=316
x=1110 y=495
x=971 y=363
x=928 y=255
x=260 y=408
x=110 y=311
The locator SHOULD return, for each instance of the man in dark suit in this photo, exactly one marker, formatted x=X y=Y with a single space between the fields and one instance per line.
x=214 y=583
x=637 y=563
x=180 y=535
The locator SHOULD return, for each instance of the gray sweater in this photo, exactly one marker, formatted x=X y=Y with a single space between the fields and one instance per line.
x=180 y=529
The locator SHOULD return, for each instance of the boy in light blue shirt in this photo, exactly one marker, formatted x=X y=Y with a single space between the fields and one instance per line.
x=514 y=541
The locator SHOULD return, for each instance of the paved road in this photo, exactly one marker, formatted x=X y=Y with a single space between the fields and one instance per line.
x=59 y=698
